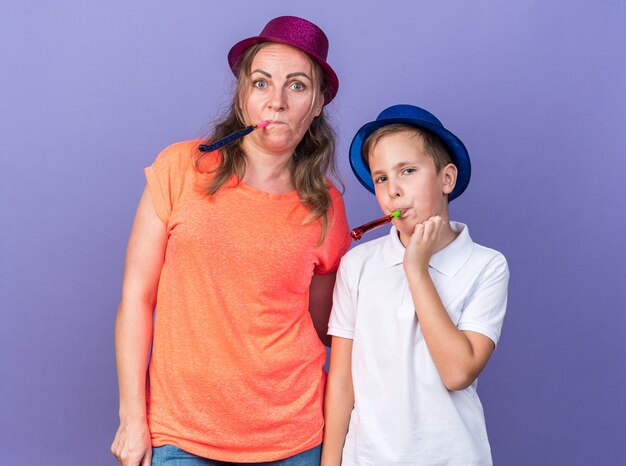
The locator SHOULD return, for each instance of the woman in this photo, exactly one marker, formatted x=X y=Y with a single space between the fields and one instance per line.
x=237 y=249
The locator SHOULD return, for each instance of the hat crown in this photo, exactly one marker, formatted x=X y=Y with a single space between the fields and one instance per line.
x=411 y=112
x=299 y=32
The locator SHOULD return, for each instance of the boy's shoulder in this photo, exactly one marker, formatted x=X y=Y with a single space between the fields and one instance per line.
x=368 y=246
x=465 y=245
x=486 y=264
x=465 y=259
x=365 y=251
x=488 y=256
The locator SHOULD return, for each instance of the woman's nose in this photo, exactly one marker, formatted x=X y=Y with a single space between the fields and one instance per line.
x=277 y=99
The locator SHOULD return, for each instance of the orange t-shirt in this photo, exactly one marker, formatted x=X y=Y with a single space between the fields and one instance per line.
x=236 y=365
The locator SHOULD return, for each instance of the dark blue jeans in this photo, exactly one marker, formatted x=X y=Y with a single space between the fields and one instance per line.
x=169 y=455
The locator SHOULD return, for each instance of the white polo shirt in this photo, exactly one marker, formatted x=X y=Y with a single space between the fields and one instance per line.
x=403 y=414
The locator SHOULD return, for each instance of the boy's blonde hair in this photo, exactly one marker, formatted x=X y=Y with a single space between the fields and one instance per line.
x=433 y=145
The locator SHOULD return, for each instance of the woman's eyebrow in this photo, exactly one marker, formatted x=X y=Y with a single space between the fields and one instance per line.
x=289 y=76
x=292 y=75
x=262 y=72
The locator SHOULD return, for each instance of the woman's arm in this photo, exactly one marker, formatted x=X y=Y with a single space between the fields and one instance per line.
x=133 y=332
x=321 y=302
x=338 y=402
x=459 y=356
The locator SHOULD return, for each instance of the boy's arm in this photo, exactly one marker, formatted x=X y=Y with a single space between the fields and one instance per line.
x=458 y=355
x=338 y=402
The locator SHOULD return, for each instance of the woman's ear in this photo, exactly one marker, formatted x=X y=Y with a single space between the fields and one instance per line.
x=448 y=177
x=319 y=104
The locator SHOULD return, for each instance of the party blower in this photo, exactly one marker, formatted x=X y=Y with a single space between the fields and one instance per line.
x=358 y=232
x=232 y=137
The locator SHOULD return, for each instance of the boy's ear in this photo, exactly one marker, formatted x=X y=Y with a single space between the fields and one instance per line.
x=448 y=175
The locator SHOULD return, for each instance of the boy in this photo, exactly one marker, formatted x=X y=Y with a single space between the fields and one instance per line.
x=416 y=314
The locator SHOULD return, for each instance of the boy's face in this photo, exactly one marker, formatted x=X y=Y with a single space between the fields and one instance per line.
x=406 y=179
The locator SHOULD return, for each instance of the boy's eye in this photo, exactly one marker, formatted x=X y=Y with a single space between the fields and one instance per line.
x=297 y=86
x=259 y=84
x=408 y=171
x=380 y=179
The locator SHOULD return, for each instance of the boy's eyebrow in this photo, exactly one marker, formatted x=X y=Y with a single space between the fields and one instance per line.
x=394 y=167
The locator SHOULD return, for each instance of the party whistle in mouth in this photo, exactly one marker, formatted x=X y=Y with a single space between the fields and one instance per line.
x=358 y=232
x=232 y=137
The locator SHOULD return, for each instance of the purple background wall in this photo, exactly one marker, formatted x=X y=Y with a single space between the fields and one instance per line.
x=91 y=91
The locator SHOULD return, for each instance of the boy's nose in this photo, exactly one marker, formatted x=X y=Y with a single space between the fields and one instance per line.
x=394 y=189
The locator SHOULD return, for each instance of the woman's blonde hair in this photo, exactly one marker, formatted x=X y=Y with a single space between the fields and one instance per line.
x=314 y=157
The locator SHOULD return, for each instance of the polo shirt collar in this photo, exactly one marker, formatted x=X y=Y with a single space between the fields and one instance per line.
x=448 y=261
x=393 y=249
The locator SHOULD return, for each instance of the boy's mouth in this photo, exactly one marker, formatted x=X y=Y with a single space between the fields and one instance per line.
x=402 y=212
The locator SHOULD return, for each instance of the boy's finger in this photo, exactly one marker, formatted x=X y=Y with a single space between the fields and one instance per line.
x=437 y=223
x=429 y=226
x=418 y=232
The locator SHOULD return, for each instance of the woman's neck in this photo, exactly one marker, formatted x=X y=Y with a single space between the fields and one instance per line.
x=270 y=172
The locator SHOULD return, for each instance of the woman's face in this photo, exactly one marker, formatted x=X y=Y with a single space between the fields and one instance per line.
x=281 y=90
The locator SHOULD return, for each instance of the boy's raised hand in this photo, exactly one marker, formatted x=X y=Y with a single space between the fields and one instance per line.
x=422 y=245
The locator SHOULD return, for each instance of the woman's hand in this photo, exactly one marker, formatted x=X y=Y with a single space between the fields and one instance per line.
x=425 y=238
x=131 y=445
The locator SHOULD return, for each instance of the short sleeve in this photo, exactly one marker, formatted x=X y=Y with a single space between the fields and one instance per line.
x=485 y=308
x=341 y=322
x=337 y=239
x=167 y=177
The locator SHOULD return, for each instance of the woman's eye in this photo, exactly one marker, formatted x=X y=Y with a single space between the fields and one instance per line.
x=259 y=84
x=297 y=86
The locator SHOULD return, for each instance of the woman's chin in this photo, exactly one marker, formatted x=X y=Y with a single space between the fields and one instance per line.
x=279 y=145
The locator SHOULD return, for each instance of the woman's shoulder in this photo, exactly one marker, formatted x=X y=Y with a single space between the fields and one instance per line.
x=181 y=156
x=181 y=150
